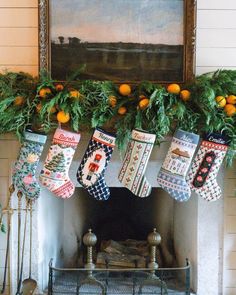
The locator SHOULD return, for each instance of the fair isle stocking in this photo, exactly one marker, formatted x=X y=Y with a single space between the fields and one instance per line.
x=54 y=174
x=132 y=173
x=172 y=174
x=24 y=171
x=205 y=167
x=91 y=171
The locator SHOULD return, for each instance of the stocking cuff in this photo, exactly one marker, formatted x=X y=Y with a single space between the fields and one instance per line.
x=216 y=141
x=104 y=137
x=215 y=146
x=188 y=137
x=35 y=137
x=66 y=137
x=143 y=136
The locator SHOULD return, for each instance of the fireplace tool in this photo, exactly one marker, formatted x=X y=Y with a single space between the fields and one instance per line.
x=19 y=196
x=18 y=292
x=29 y=284
x=9 y=212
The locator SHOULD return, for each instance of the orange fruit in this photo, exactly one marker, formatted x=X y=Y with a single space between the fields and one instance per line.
x=231 y=99
x=141 y=97
x=52 y=110
x=59 y=87
x=185 y=95
x=230 y=109
x=221 y=101
x=173 y=88
x=74 y=94
x=44 y=92
x=143 y=103
x=19 y=100
x=63 y=117
x=122 y=110
x=112 y=101
x=124 y=89
x=38 y=107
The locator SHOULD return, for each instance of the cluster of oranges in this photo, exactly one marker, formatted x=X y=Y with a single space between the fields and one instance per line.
x=46 y=92
x=125 y=90
x=175 y=89
x=228 y=103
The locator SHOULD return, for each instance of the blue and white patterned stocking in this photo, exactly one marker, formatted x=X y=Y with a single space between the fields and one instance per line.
x=172 y=175
x=91 y=171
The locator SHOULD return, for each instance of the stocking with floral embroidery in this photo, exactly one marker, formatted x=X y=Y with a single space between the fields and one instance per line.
x=205 y=167
x=24 y=170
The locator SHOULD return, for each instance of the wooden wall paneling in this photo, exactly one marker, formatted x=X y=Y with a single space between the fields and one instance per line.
x=216 y=4
x=18 y=3
x=216 y=19
x=19 y=37
x=18 y=17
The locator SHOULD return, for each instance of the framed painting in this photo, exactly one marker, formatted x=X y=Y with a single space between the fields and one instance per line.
x=118 y=40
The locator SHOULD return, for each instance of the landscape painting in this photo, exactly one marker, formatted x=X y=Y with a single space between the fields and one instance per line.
x=118 y=40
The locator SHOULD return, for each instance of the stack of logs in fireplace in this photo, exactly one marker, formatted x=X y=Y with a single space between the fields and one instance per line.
x=125 y=254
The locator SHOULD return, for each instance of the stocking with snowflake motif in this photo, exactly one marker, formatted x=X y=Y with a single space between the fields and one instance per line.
x=91 y=171
x=205 y=167
x=24 y=170
x=132 y=173
x=172 y=174
x=54 y=174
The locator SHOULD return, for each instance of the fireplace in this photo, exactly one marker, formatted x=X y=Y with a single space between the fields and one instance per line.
x=60 y=225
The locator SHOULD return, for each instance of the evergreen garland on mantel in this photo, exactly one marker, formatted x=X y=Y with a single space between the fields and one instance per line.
x=27 y=102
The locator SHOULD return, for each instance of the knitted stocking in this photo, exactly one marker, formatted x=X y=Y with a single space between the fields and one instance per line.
x=24 y=171
x=171 y=177
x=132 y=173
x=205 y=167
x=56 y=167
x=91 y=171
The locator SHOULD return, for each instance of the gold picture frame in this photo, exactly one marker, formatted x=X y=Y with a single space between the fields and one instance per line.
x=178 y=60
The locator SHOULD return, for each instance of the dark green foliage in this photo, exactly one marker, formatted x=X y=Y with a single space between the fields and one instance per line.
x=163 y=115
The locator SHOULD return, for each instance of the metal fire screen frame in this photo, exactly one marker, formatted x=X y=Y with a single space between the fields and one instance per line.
x=135 y=281
x=126 y=281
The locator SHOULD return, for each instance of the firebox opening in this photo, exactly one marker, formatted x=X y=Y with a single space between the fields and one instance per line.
x=123 y=216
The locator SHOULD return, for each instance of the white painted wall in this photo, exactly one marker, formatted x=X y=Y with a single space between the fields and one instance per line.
x=216 y=42
x=216 y=48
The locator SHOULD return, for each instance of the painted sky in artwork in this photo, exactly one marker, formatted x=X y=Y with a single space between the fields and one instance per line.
x=136 y=21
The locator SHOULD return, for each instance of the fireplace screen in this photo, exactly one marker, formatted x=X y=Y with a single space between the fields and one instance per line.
x=119 y=281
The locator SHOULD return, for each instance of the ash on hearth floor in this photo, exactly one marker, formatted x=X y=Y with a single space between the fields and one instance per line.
x=113 y=282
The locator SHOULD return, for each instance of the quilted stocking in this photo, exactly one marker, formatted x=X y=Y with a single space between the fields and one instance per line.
x=91 y=171
x=54 y=174
x=206 y=164
x=24 y=171
x=132 y=173
x=171 y=177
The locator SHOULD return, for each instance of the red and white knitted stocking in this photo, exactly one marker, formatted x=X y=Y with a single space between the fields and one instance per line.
x=54 y=174
x=205 y=167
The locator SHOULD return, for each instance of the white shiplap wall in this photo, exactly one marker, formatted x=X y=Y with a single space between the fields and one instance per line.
x=216 y=31
x=19 y=35
x=216 y=48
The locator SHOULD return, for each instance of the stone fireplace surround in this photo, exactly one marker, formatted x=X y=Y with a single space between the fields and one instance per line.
x=197 y=226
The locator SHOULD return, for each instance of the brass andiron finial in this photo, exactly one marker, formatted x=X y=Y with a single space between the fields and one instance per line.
x=154 y=239
x=90 y=241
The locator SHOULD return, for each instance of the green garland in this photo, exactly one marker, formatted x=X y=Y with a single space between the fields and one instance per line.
x=164 y=113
